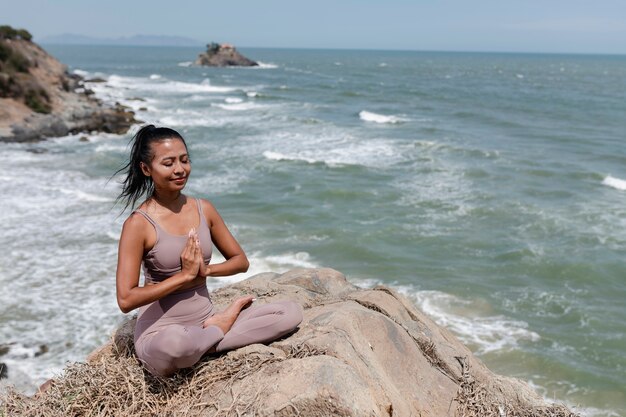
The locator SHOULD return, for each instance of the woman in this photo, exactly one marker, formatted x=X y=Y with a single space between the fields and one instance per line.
x=172 y=235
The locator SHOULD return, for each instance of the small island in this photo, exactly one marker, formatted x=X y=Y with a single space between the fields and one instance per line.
x=39 y=98
x=223 y=55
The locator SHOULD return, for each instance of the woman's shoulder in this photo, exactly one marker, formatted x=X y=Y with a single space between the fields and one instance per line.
x=208 y=209
x=135 y=221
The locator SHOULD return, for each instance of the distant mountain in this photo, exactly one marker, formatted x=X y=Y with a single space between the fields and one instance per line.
x=136 y=40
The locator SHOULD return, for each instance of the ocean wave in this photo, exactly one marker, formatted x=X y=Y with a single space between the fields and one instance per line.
x=260 y=263
x=252 y=94
x=233 y=100
x=155 y=76
x=613 y=182
x=329 y=146
x=81 y=195
x=368 y=116
x=163 y=85
x=237 y=106
x=487 y=333
x=81 y=72
x=185 y=64
x=277 y=156
x=290 y=260
x=266 y=65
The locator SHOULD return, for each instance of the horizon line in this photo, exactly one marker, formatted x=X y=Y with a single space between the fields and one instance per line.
x=350 y=49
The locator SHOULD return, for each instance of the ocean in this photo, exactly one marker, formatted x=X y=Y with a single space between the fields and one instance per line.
x=489 y=188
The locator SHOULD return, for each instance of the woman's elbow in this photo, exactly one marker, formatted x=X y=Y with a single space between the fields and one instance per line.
x=245 y=265
x=124 y=305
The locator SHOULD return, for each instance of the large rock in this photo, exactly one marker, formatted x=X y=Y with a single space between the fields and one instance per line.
x=358 y=352
x=39 y=99
x=223 y=55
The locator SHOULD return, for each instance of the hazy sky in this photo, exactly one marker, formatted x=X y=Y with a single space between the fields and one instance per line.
x=597 y=26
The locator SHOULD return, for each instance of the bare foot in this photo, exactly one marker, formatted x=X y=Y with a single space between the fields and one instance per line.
x=225 y=319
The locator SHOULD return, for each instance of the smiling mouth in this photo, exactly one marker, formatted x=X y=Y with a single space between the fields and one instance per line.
x=179 y=179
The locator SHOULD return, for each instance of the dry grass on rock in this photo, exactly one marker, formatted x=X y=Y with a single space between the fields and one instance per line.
x=116 y=384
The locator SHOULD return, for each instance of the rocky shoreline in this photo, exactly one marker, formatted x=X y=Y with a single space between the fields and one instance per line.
x=40 y=99
x=358 y=352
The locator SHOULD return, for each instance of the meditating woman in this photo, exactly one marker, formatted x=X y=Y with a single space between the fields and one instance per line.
x=172 y=235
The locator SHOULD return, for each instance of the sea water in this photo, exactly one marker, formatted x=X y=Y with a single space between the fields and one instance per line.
x=489 y=188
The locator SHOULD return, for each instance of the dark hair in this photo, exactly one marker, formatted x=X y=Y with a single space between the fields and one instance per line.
x=136 y=183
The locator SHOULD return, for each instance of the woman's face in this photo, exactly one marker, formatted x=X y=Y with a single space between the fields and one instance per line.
x=170 y=166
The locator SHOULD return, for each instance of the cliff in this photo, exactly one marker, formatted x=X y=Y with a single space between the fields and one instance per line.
x=38 y=98
x=358 y=352
x=223 y=55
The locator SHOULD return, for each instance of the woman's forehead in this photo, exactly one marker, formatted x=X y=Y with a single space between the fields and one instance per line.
x=165 y=147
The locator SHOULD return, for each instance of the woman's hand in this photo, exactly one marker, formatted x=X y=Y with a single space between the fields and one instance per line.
x=190 y=263
x=203 y=269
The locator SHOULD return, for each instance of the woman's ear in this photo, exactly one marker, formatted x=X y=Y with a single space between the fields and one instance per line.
x=145 y=169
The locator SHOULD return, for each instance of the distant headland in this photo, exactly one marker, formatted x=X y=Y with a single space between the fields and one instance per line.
x=39 y=98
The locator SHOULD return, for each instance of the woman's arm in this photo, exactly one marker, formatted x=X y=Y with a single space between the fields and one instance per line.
x=236 y=259
x=130 y=253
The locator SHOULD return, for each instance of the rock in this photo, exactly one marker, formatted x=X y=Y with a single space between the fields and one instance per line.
x=4 y=349
x=358 y=352
x=39 y=99
x=95 y=80
x=42 y=349
x=4 y=370
x=223 y=55
x=83 y=139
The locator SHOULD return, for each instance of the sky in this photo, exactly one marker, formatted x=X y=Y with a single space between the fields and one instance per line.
x=565 y=26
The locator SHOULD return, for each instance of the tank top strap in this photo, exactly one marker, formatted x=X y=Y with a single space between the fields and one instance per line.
x=202 y=218
x=144 y=214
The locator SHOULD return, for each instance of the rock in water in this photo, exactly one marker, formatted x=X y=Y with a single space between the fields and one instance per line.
x=358 y=352
x=39 y=99
x=223 y=55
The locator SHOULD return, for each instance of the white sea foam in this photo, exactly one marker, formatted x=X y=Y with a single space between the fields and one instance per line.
x=368 y=116
x=290 y=260
x=260 y=263
x=164 y=86
x=616 y=183
x=487 y=333
x=329 y=146
x=155 y=76
x=277 y=156
x=233 y=100
x=81 y=72
x=237 y=106
x=81 y=195
x=185 y=64
x=266 y=65
x=252 y=94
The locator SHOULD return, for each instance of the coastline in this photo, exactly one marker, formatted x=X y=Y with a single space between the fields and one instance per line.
x=483 y=218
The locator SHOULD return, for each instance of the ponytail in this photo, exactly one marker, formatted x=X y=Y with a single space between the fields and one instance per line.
x=136 y=184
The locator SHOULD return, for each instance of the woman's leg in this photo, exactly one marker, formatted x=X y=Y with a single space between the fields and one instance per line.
x=176 y=346
x=262 y=324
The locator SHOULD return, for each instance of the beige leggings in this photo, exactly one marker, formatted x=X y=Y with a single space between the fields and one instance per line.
x=169 y=333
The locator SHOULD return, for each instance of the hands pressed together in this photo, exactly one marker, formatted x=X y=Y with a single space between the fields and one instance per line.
x=191 y=258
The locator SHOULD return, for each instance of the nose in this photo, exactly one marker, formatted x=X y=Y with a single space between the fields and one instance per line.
x=178 y=168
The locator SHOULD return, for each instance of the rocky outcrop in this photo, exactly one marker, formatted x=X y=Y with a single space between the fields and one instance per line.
x=39 y=99
x=358 y=352
x=223 y=55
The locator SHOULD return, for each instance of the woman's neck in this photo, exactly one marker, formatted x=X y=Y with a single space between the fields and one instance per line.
x=171 y=201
